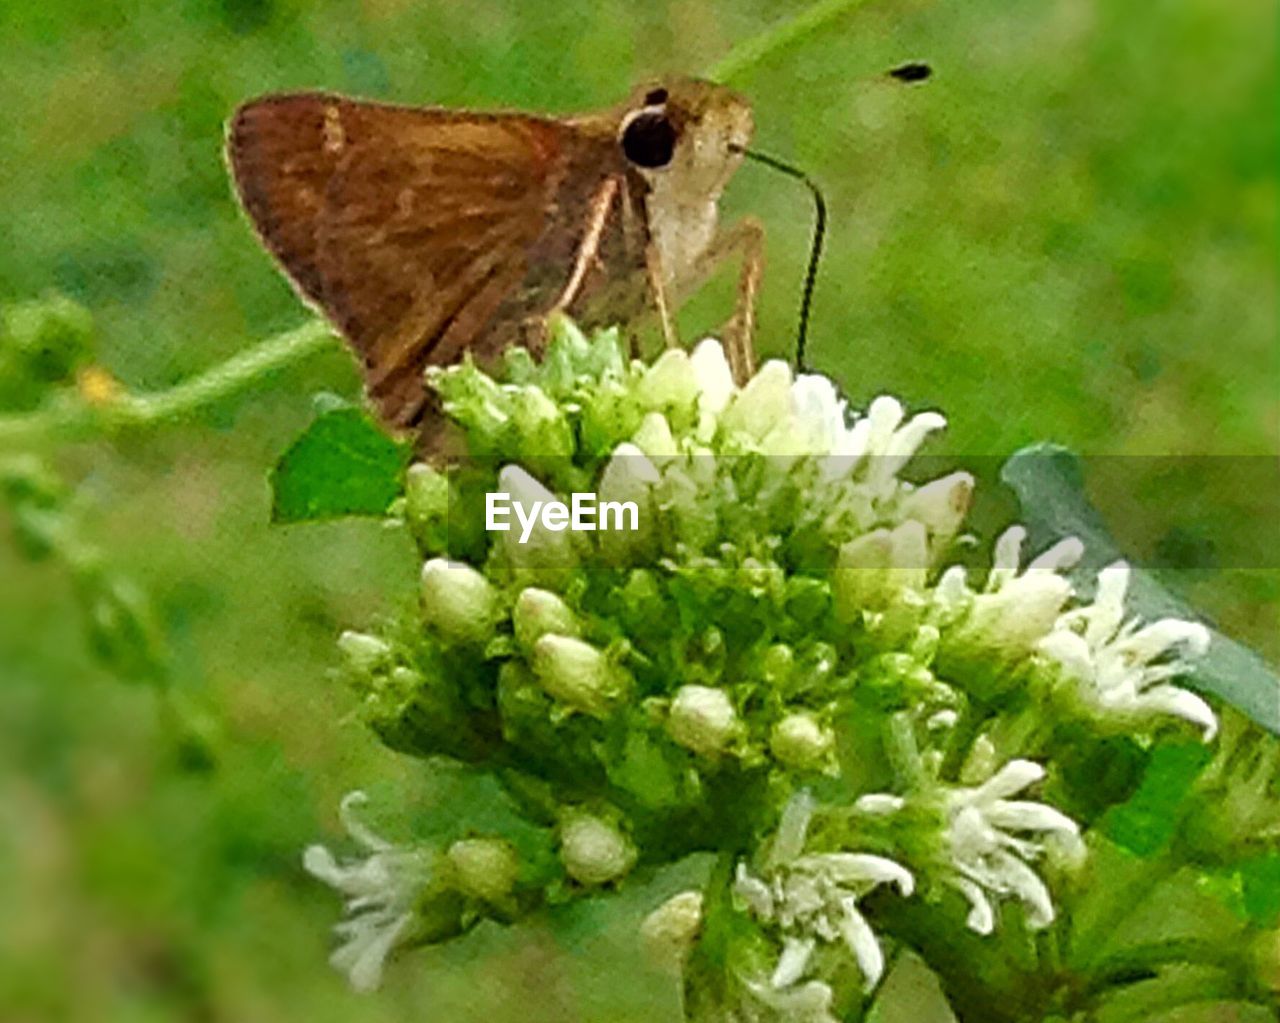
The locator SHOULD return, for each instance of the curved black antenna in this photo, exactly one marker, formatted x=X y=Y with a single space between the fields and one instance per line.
x=815 y=252
x=909 y=73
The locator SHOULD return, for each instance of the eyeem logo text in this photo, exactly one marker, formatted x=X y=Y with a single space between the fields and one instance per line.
x=583 y=513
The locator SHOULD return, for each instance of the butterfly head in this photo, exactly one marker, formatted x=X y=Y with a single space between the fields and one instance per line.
x=688 y=131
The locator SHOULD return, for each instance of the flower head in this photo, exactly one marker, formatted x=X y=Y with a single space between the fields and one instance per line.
x=987 y=848
x=812 y=897
x=1122 y=668
x=381 y=890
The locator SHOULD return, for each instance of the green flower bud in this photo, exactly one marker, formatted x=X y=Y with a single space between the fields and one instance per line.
x=486 y=868
x=542 y=548
x=668 y=933
x=540 y=424
x=457 y=601
x=593 y=851
x=42 y=342
x=702 y=719
x=941 y=505
x=715 y=379
x=426 y=506
x=538 y=612
x=1002 y=630
x=799 y=741
x=365 y=654
x=762 y=403
x=776 y=665
x=474 y=400
x=669 y=382
x=629 y=477
x=579 y=675
x=873 y=570
x=654 y=438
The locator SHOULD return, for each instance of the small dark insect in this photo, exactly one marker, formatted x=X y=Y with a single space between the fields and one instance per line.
x=911 y=72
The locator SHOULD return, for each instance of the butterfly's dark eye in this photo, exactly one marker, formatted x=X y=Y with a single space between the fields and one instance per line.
x=649 y=140
x=656 y=97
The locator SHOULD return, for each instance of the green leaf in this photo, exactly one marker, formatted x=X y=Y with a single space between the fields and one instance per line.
x=1261 y=879
x=1048 y=481
x=342 y=464
x=1145 y=824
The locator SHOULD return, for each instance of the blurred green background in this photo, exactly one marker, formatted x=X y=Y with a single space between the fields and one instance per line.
x=1068 y=234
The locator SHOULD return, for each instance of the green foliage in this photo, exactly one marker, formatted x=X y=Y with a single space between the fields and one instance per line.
x=344 y=464
x=42 y=344
x=1147 y=822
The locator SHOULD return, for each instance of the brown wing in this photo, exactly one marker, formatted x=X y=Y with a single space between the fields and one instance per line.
x=411 y=228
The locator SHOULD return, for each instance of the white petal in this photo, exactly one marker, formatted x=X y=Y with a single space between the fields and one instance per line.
x=765 y=400
x=1008 y=554
x=636 y=463
x=712 y=373
x=522 y=487
x=903 y=444
x=754 y=893
x=1063 y=555
x=1070 y=651
x=862 y=942
x=1011 y=779
x=1159 y=636
x=942 y=719
x=952 y=587
x=1181 y=703
x=879 y=803
x=793 y=961
x=1107 y=611
x=814 y=398
x=363 y=958
x=319 y=863
x=356 y=829
x=1020 y=815
x=941 y=504
x=788 y=843
x=847 y=868
x=857 y=442
x=1025 y=883
x=654 y=437
x=982 y=917
x=970 y=836
x=808 y=1003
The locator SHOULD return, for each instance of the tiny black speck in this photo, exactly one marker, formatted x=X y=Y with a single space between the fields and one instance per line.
x=911 y=72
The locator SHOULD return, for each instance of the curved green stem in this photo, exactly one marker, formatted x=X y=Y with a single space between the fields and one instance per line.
x=78 y=419
x=785 y=34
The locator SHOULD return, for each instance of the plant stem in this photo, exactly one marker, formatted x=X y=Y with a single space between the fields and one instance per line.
x=79 y=419
x=745 y=57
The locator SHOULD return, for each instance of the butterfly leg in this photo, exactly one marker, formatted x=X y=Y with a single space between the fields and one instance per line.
x=746 y=241
x=658 y=289
x=588 y=255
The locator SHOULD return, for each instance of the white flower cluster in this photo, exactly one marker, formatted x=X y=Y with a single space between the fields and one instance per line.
x=989 y=842
x=990 y=853
x=1122 y=669
x=380 y=889
x=667 y=464
x=811 y=898
x=669 y=437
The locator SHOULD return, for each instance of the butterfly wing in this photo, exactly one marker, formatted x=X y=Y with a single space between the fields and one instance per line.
x=413 y=229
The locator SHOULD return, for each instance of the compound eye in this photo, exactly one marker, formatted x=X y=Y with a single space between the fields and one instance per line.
x=649 y=140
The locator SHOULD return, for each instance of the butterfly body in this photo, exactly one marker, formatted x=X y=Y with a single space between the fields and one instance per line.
x=423 y=233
